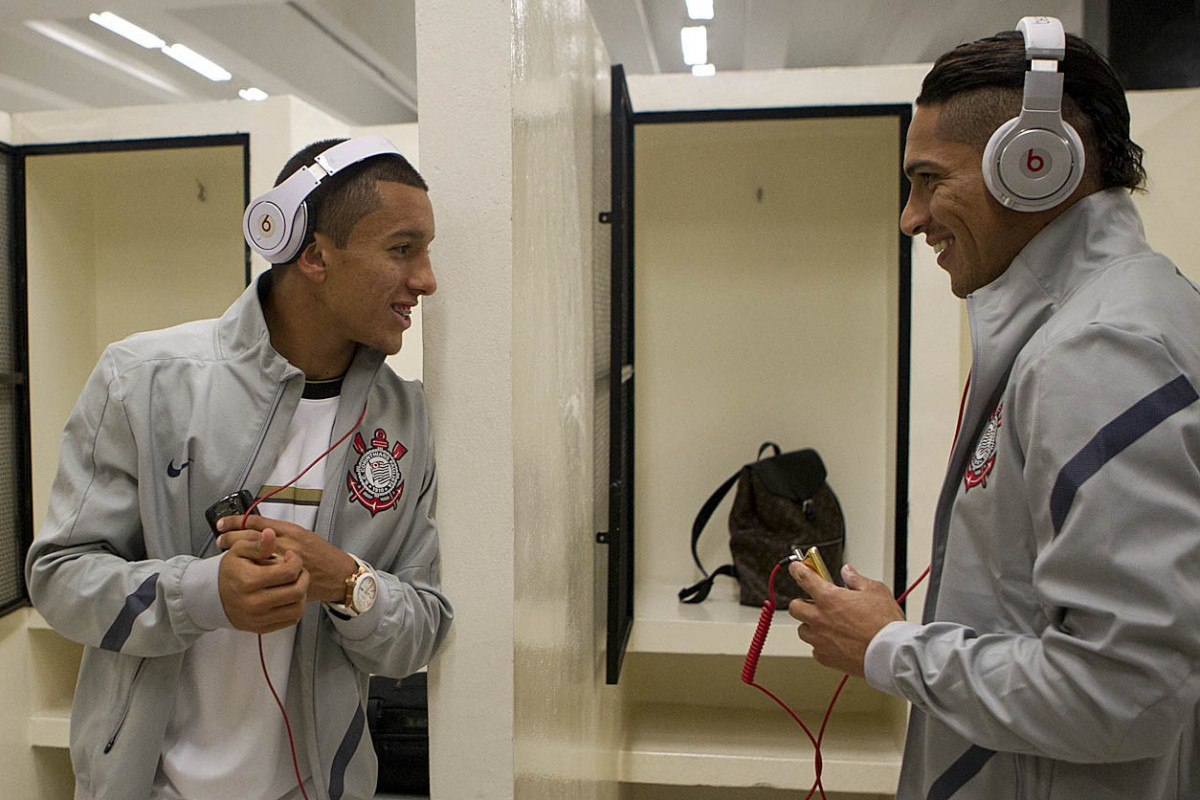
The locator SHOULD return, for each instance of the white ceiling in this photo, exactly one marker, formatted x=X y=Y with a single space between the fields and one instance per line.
x=357 y=58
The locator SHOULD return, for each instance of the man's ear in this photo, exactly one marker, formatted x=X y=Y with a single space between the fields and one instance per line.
x=311 y=261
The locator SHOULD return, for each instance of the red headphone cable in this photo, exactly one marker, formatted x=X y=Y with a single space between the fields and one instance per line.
x=261 y=658
x=750 y=667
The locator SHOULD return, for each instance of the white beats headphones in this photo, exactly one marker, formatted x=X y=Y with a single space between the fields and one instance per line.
x=276 y=223
x=1035 y=161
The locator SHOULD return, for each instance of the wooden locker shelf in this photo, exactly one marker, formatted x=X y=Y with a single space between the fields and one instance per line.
x=55 y=668
x=698 y=746
x=50 y=728
x=719 y=625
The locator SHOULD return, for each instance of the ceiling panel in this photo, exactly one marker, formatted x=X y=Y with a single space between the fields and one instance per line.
x=356 y=59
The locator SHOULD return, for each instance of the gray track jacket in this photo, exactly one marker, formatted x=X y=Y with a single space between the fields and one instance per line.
x=1060 y=655
x=169 y=422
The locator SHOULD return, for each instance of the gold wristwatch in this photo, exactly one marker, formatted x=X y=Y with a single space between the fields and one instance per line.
x=361 y=589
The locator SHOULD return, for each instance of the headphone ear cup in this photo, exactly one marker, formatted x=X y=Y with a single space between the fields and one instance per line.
x=273 y=234
x=991 y=173
x=1032 y=169
x=297 y=234
x=264 y=226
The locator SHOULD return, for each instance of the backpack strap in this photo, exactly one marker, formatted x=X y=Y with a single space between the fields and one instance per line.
x=705 y=514
x=766 y=445
x=698 y=592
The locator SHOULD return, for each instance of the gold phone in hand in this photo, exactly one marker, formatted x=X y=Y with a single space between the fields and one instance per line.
x=812 y=558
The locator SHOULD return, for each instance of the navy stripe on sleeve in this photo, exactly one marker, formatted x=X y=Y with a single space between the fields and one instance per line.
x=117 y=634
x=341 y=759
x=966 y=767
x=1114 y=437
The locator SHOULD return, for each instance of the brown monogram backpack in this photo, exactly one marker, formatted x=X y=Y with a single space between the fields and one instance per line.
x=783 y=503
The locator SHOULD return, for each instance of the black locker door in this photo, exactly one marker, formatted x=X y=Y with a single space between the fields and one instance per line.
x=16 y=501
x=619 y=536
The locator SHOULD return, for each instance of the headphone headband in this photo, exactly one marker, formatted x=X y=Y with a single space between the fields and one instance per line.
x=276 y=223
x=1044 y=38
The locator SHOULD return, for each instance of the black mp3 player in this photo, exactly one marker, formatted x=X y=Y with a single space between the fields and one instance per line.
x=237 y=503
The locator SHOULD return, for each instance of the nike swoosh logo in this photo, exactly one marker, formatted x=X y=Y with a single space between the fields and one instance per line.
x=174 y=471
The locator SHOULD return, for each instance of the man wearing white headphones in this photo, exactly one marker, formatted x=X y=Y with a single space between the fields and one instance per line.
x=1059 y=653
x=241 y=528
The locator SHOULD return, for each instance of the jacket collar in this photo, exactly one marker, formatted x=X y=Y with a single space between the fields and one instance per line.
x=1097 y=230
x=242 y=333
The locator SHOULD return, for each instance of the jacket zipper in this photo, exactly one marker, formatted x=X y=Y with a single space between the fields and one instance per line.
x=241 y=481
x=262 y=435
x=112 y=740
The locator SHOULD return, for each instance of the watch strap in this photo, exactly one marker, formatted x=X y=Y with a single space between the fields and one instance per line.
x=346 y=608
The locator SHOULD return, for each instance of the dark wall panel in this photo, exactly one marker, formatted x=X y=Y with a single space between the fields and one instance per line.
x=1155 y=45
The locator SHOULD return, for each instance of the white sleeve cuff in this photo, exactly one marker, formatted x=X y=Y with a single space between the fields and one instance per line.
x=877 y=664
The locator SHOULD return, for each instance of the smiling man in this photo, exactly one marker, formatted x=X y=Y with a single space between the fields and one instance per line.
x=202 y=623
x=1059 y=652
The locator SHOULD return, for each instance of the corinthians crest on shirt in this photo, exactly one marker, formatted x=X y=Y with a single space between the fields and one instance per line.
x=375 y=481
x=984 y=457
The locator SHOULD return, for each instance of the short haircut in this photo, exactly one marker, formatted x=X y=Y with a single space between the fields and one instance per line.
x=344 y=198
x=979 y=87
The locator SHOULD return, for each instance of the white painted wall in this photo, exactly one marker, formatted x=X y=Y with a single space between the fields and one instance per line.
x=565 y=718
x=1163 y=122
x=16 y=762
x=466 y=139
x=508 y=114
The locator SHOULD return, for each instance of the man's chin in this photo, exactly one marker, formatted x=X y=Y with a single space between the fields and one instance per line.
x=388 y=348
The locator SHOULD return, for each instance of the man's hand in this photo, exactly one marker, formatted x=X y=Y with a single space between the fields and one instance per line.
x=327 y=566
x=261 y=591
x=840 y=623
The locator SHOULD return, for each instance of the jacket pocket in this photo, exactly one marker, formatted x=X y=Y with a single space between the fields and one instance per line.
x=125 y=706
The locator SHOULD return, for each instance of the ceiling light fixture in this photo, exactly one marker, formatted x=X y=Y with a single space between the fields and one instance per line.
x=700 y=9
x=695 y=45
x=704 y=70
x=181 y=53
x=125 y=28
x=194 y=61
x=67 y=38
x=252 y=94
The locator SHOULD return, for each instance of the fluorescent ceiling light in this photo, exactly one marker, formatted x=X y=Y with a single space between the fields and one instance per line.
x=193 y=60
x=704 y=70
x=123 y=27
x=700 y=9
x=252 y=94
x=67 y=38
x=695 y=44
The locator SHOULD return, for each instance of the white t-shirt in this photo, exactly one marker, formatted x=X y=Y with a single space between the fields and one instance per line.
x=226 y=736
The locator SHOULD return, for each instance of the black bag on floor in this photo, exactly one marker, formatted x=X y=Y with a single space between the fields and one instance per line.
x=783 y=503
x=398 y=717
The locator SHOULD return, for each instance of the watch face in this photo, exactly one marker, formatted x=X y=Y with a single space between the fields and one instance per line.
x=364 y=593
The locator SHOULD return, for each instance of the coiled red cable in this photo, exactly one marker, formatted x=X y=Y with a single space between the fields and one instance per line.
x=750 y=667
